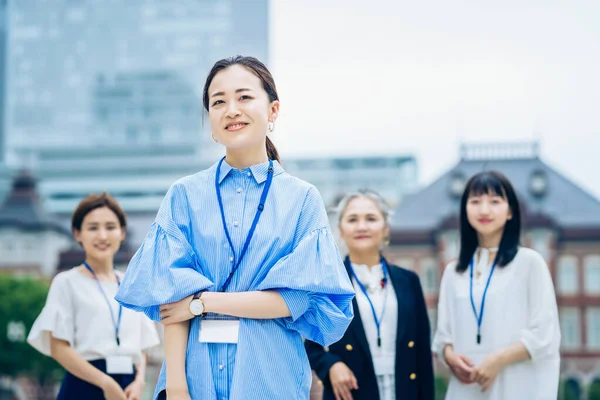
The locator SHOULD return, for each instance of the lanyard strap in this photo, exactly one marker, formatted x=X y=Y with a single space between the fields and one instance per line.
x=479 y=317
x=364 y=290
x=259 y=210
x=117 y=322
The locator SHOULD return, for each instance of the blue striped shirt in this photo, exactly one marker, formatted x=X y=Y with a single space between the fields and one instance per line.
x=292 y=251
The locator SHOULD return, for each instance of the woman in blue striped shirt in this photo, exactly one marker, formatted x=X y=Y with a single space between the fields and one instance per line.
x=240 y=263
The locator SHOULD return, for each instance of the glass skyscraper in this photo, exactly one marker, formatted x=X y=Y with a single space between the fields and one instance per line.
x=4 y=173
x=106 y=94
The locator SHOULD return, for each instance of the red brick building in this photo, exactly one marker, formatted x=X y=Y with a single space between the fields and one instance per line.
x=560 y=220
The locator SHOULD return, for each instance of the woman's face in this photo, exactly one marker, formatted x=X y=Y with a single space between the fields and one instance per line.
x=239 y=108
x=363 y=227
x=101 y=234
x=488 y=213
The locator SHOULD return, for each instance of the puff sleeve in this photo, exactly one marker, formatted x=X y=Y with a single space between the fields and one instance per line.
x=56 y=318
x=312 y=278
x=165 y=268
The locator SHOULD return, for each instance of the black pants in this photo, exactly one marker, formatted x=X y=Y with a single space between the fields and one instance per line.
x=73 y=388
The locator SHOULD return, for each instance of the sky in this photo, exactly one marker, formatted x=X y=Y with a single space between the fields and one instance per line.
x=384 y=77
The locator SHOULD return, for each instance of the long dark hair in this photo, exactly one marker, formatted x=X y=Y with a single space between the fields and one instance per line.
x=257 y=68
x=489 y=182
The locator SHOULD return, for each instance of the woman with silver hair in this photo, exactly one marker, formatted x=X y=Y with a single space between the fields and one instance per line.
x=385 y=353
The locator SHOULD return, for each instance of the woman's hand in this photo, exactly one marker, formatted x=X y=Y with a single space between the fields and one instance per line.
x=485 y=373
x=134 y=390
x=179 y=311
x=112 y=390
x=460 y=365
x=342 y=380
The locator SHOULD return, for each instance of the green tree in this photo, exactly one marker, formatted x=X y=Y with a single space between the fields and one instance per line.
x=594 y=390
x=21 y=301
x=441 y=386
x=569 y=389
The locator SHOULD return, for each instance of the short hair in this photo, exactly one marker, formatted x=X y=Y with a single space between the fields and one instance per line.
x=92 y=202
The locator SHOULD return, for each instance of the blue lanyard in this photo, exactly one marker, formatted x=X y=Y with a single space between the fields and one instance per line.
x=364 y=290
x=487 y=285
x=260 y=208
x=116 y=323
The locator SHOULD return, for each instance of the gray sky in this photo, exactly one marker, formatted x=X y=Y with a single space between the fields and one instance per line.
x=396 y=77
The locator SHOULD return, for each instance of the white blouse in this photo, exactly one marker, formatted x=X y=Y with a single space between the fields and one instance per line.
x=384 y=357
x=76 y=311
x=520 y=305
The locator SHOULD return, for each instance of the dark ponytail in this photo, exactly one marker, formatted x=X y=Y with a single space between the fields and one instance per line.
x=272 y=152
x=257 y=68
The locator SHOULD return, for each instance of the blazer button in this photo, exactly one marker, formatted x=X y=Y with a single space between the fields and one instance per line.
x=413 y=376
x=411 y=344
x=349 y=347
x=320 y=382
x=326 y=348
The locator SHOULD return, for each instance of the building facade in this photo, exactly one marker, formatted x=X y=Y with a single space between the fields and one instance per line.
x=107 y=95
x=4 y=172
x=391 y=176
x=561 y=221
x=30 y=240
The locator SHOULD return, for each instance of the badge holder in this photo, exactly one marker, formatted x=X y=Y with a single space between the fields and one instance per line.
x=219 y=330
x=119 y=365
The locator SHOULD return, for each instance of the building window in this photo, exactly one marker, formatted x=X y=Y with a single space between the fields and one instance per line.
x=592 y=274
x=405 y=262
x=567 y=276
x=593 y=328
x=570 y=328
x=451 y=246
x=540 y=242
x=9 y=245
x=429 y=274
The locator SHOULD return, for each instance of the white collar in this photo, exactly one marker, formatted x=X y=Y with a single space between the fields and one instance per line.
x=370 y=278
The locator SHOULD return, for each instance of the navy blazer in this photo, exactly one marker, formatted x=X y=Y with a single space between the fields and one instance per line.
x=414 y=366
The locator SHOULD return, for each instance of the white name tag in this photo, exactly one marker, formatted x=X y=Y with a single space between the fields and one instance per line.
x=119 y=365
x=219 y=331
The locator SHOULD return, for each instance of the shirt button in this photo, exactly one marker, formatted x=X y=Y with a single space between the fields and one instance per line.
x=249 y=173
x=239 y=190
x=231 y=259
x=235 y=223
x=220 y=366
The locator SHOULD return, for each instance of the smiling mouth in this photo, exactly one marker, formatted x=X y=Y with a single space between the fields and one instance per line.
x=103 y=247
x=235 y=126
x=485 y=221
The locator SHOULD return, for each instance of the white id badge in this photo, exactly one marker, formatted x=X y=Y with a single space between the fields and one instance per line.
x=119 y=365
x=219 y=331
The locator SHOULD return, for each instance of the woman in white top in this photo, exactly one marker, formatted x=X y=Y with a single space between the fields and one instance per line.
x=385 y=353
x=99 y=343
x=497 y=327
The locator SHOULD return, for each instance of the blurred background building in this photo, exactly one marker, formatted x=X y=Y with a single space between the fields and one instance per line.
x=4 y=172
x=392 y=176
